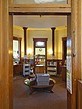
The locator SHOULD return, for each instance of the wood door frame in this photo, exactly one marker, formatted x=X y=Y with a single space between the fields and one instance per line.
x=45 y=41
x=6 y=35
x=71 y=99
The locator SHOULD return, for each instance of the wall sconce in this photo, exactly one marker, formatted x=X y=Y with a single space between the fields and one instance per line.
x=50 y=51
x=29 y=51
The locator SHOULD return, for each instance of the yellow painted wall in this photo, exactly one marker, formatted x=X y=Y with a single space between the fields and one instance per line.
x=42 y=33
x=47 y=33
x=60 y=32
x=39 y=34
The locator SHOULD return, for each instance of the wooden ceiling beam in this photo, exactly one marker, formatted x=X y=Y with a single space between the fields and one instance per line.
x=24 y=10
x=41 y=8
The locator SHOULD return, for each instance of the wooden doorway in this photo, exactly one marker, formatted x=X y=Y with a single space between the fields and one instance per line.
x=48 y=13
x=39 y=14
x=6 y=54
x=40 y=55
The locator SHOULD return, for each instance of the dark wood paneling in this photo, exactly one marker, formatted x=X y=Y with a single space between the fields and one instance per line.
x=39 y=69
x=17 y=69
x=68 y=100
x=79 y=95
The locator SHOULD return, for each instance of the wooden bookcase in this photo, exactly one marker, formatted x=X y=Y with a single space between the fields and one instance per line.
x=54 y=66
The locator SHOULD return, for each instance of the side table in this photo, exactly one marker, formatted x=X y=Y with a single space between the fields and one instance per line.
x=34 y=87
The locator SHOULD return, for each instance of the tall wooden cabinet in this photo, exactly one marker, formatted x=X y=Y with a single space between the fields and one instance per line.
x=40 y=55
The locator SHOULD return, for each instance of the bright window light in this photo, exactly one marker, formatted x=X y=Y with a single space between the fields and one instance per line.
x=41 y=44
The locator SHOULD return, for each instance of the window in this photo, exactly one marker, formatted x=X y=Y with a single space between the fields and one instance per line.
x=40 y=44
x=16 y=49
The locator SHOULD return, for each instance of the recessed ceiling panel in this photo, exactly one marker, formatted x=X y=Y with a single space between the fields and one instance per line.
x=37 y=21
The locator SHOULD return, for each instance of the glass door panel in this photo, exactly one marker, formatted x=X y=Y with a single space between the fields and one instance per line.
x=39 y=51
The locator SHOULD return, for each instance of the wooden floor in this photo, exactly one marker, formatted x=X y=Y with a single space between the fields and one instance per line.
x=39 y=100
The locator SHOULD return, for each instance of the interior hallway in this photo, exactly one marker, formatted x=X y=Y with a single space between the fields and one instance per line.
x=39 y=100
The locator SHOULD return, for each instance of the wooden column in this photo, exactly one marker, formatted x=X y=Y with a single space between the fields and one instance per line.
x=76 y=53
x=81 y=32
x=68 y=35
x=6 y=60
x=25 y=29
x=53 y=39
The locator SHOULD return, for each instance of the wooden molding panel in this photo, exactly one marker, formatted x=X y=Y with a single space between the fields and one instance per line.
x=0 y=56
x=41 y=8
x=79 y=94
x=11 y=4
x=43 y=11
x=76 y=59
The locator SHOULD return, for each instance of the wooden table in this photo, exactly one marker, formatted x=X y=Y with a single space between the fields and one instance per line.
x=34 y=87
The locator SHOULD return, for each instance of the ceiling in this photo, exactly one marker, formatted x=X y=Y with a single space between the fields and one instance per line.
x=39 y=21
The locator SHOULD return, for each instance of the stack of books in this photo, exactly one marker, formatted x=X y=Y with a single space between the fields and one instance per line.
x=43 y=79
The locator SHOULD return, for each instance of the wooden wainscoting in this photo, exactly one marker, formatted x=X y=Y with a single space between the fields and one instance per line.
x=79 y=94
x=17 y=69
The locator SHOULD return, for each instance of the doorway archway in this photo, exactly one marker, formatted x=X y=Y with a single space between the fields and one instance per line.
x=6 y=78
x=68 y=26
